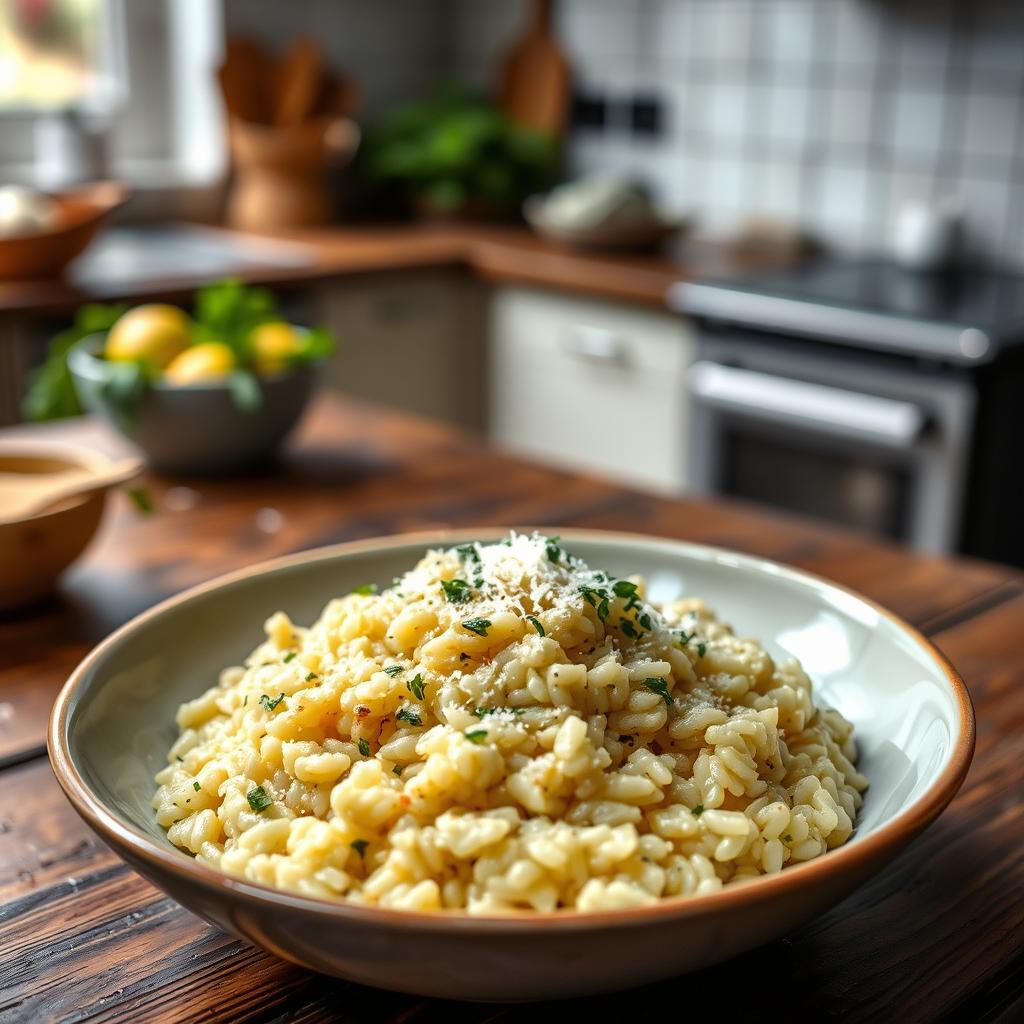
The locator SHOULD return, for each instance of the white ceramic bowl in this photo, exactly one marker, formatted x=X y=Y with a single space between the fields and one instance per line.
x=912 y=715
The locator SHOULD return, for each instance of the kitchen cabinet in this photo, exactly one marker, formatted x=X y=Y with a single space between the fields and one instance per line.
x=414 y=341
x=590 y=384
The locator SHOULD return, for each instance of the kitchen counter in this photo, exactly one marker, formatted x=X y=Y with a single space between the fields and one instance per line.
x=493 y=252
x=937 y=934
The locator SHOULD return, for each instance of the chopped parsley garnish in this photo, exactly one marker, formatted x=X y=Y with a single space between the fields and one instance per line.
x=455 y=591
x=416 y=686
x=477 y=625
x=398 y=769
x=480 y=712
x=364 y=747
x=628 y=628
x=196 y=786
x=697 y=811
x=468 y=552
x=536 y=623
x=645 y=621
x=310 y=676
x=365 y=589
x=623 y=588
x=554 y=552
x=685 y=638
x=660 y=687
x=393 y=670
x=290 y=656
x=702 y=649
x=476 y=735
x=410 y=715
x=258 y=799
x=360 y=845
x=269 y=703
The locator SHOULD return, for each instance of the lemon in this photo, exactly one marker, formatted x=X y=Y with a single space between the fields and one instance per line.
x=273 y=345
x=210 y=361
x=153 y=333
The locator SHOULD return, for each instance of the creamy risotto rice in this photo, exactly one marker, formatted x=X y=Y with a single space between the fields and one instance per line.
x=506 y=728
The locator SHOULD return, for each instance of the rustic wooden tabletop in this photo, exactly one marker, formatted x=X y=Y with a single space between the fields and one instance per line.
x=939 y=935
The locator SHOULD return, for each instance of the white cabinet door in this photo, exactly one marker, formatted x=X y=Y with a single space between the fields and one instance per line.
x=590 y=384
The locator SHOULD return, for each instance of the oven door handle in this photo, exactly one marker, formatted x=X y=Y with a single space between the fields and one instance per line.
x=811 y=407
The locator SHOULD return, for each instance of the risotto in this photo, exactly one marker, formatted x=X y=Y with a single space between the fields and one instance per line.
x=505 y=728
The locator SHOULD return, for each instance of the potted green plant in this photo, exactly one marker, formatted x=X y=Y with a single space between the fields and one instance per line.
x=457 y=155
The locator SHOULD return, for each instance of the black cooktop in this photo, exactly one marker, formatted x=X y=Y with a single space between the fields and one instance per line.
x=966 y=316
x=984 y=299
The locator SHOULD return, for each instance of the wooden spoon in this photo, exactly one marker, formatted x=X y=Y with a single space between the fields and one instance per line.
x=23 y=495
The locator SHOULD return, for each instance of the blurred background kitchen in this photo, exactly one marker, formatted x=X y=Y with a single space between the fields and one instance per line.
x=768 y=249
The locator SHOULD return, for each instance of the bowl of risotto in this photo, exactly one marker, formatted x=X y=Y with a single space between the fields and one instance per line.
x=505 y=765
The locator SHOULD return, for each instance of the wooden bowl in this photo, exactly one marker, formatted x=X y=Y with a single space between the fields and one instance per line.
x=34 y=551
x=44 y=254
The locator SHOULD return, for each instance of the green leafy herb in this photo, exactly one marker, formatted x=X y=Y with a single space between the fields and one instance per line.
x=269 y=703
x=645 y=621
x=142 y=500
x=702 y=649
x=623 y=588
x=602 y=609
x=398 y=769
x=290 y=656
x=410 y=715
x=477 y=625
x=685 y=638
x=416 y=686
x=536 y=623
x=365 y=589
x=697 y=811
x=476 y=735
x=310 y=676
x=246 y=392
x=258 y=799
x=628 y=628
x=360 y=845
x=481 y=712
x=468 y=553
x=553 y=551
x=51 y=391
x=196 y=786
x=393 y=670
x=364 y=747
x=455 y=591
x=660 y=687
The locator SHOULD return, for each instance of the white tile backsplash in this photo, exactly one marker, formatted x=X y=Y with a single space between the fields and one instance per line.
x=831 y=112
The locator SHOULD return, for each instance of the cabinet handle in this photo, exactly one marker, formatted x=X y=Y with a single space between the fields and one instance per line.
x=596 y=345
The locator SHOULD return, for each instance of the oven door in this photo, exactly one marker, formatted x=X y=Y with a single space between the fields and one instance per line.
x=874 y=448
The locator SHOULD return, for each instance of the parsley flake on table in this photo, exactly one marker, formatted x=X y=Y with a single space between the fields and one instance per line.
x=269 y=703
x=455 y=591
x=408 y=714
x=477 y=625
x=258 y=799
x=660 y=687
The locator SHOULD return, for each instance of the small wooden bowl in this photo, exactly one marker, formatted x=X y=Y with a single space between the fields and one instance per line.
x=36 y=550
x=45 y=254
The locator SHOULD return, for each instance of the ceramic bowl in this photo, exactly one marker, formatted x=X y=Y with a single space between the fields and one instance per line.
x=34 y=551
x=912 y=714
x=196 y=428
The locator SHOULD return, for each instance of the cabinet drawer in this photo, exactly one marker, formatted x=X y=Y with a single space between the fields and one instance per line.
x=590 y=384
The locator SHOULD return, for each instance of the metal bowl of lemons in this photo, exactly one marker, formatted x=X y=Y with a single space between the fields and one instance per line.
x=205 y=394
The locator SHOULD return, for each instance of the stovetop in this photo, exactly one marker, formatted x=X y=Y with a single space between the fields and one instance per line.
x=963 y=316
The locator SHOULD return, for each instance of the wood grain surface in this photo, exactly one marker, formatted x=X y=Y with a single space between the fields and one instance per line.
x=83 y=938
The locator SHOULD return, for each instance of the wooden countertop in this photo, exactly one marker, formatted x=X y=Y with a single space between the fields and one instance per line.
x=938 y=934
x=493 y=252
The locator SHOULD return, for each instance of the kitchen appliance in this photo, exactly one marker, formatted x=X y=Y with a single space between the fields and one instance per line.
x=878 y=398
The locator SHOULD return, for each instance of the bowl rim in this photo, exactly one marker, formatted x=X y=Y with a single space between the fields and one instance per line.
x=889 y=836
x=83 y=361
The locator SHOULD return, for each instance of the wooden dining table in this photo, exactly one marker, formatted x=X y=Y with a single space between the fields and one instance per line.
x=938 y=935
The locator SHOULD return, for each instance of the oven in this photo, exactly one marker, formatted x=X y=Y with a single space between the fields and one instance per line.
x=869 y=440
